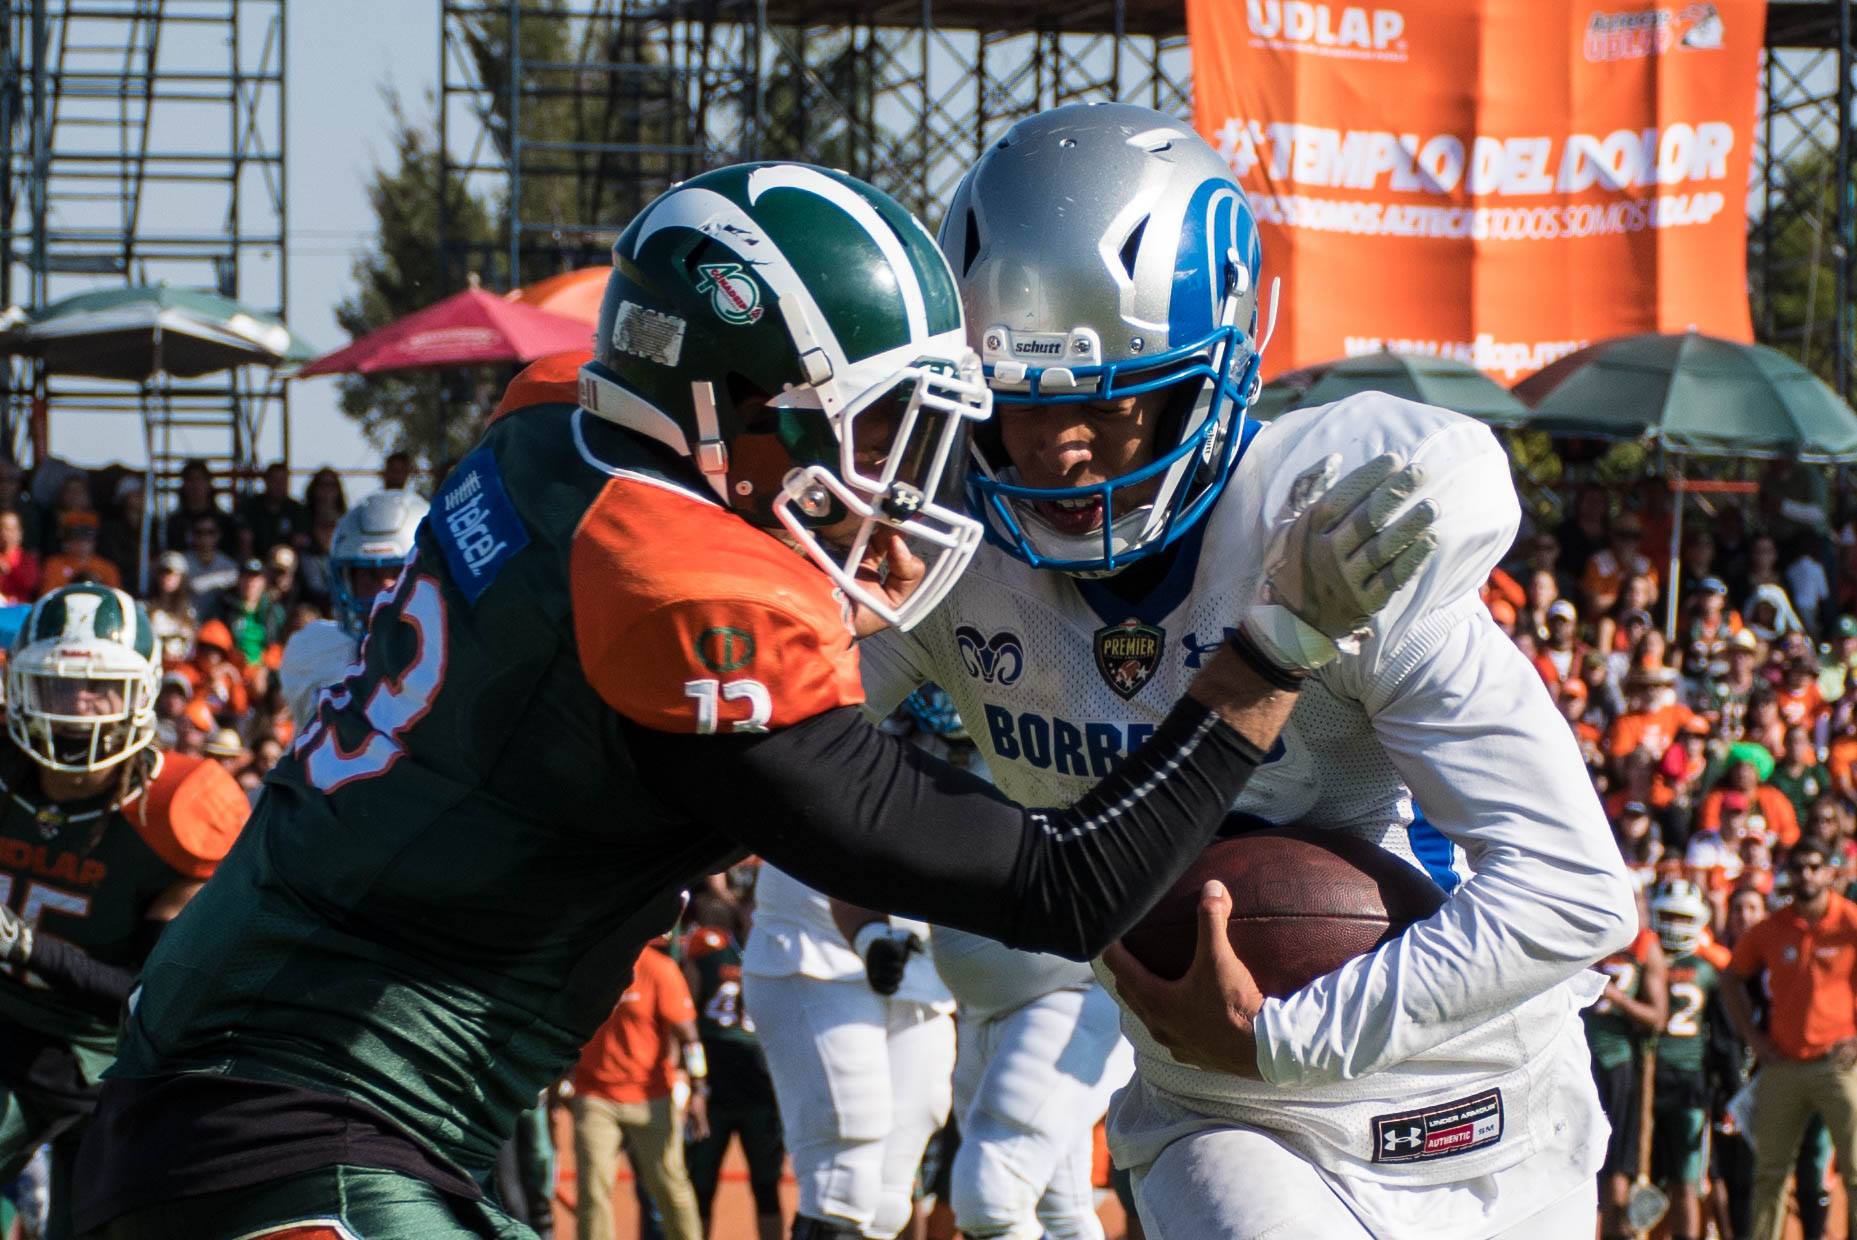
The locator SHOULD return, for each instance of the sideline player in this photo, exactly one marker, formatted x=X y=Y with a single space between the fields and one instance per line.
x=1680 y=915
x=622 y=655
x=1109 y=266
x=371 y=543
x=859 y=1035
x=1633 y=1006
x=102 y=839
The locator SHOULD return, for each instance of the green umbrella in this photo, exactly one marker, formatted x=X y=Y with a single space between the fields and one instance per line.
x=1440 y=381
x=1694 y=394
x=136 y=333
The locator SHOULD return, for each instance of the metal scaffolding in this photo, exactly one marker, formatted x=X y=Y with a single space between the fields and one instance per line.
x=145 y=144
x=1801 y=209
x=906 y=93
x=642 y=93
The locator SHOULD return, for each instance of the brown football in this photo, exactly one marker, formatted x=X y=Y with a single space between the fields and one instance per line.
x=1304 y=902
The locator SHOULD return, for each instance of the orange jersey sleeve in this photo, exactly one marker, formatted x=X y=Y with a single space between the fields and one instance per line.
x=688 y=619
x=552 y=380
x=190 y=814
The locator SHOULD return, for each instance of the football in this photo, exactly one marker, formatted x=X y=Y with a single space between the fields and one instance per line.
x=1304 y=902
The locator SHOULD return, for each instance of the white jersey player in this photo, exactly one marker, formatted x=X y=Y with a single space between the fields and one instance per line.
x=1439 y=1085
x=859 y=1038
x=371 y=541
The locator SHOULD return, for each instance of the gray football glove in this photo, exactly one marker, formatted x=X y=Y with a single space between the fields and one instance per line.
x=1340 y=551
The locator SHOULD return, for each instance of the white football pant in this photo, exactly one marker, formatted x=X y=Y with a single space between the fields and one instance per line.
x=1238 y=1184
x=862 y=1083
x=1030 y=1086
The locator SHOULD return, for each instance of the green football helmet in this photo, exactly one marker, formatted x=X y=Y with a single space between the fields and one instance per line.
x=796 y=335
x=81 y=679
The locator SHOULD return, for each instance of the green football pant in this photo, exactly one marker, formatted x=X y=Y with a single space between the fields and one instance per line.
x=330 y=1203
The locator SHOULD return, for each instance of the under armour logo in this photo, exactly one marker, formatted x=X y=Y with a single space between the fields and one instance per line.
x=1195 y=652
x=1392 y=1140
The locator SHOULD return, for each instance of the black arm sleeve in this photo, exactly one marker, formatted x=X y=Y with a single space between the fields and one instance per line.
x=100 y=989
x=870 y=819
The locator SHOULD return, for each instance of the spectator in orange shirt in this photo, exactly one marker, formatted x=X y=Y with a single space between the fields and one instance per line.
x=1609 y=566
x=1653 y=717
x=623 y=1092
x=1770 y=814
x=77 y=558
x=1808 y=1052
x=1559 y=656
x=1573 y=701
x=1801 y=702
x=218 y=682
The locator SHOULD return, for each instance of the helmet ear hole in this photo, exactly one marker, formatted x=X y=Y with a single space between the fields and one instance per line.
x=1131 y=247
x=970 y=242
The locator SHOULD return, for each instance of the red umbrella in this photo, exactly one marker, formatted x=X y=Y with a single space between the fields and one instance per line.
x=577 y=294
x=471 y=328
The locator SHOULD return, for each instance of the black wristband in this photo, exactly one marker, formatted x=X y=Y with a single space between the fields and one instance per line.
x=1288 y=679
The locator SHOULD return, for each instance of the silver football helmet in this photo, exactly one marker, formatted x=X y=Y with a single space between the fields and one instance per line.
x=1104 y=251
x=376 y=533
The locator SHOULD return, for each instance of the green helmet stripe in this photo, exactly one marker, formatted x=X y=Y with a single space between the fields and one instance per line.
x=117 y=618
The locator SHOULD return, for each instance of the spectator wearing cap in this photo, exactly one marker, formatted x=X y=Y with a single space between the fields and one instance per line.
x=170 y=608
x=1707 y=625
x=196 y=505
x=1801 y=702
x=1558 y=657
x=1572 y=699
x=1808 y=1050
x=1604 y=578
x=1727 y=694
x=19 y=566
x=1770 y=813
x=210 y=571
x=77 y=558
x=224 y=747
x=119 y=540
x=1620 y=638
x=280 y=573
x=252 y=614
x=1653 y=717
x=218 y=682
x=273 y=515
x=1840 y=659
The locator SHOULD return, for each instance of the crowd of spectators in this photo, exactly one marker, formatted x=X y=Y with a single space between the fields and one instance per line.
x=226 y=580
x=1725 y=756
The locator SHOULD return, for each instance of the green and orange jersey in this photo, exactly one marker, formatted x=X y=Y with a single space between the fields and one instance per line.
x=89 y=875
x=446 y=884
x=1610 y=1033
x=1694 y=976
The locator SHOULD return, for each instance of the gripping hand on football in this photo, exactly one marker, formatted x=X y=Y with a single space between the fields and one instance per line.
x=15 y=938
x=1339 y=552
x=886 y=952
x=1207 y=1018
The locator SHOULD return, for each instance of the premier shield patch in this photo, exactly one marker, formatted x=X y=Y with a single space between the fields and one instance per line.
x=475 y=524
x=1127 y=655
x=1440 y=1131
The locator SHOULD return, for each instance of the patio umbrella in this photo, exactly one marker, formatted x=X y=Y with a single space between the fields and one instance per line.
x=472 y=328
x=1696 y=395
x=138 y=332
x=1693 y=395
x=1440 y=381
x=573 y=294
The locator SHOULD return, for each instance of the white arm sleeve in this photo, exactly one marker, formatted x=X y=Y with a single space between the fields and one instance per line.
x=893 y=665
x=317 y=654
x=1492 y=766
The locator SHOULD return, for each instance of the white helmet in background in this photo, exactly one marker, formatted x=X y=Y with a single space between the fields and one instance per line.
x=1680 y=915
x=81 y=679
x=377 y=534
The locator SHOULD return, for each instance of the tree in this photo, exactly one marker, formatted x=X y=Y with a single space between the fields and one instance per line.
x=404 y=272
x=1792 y=260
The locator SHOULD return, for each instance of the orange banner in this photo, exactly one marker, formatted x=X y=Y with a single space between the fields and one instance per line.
x=1501 y=181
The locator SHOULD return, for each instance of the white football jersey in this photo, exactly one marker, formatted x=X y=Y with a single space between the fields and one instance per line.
x=1436 y=741
x=317 y=655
